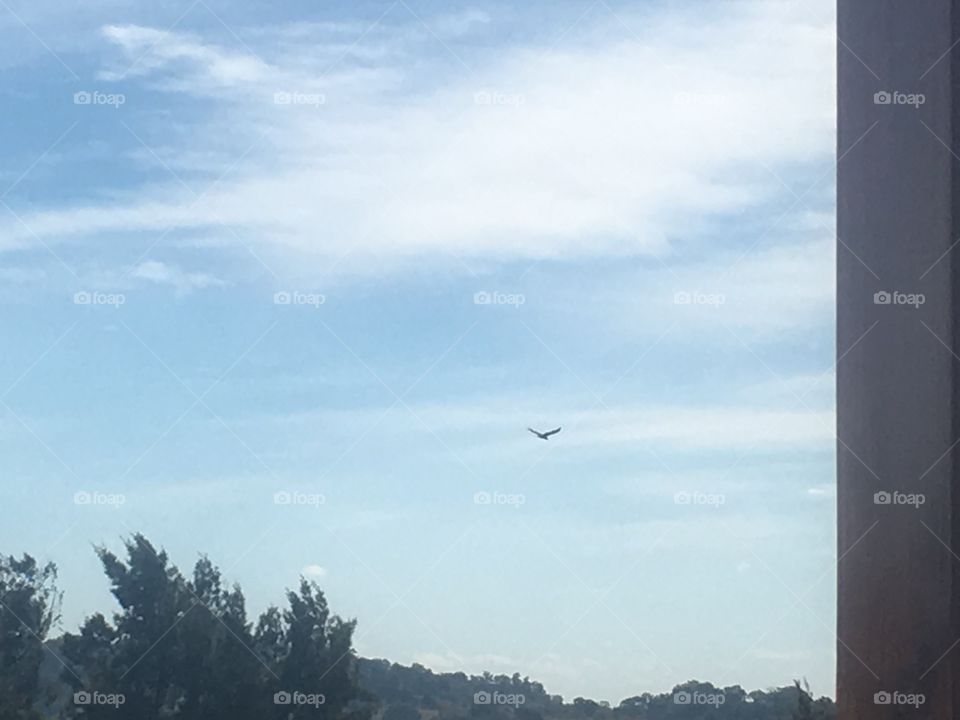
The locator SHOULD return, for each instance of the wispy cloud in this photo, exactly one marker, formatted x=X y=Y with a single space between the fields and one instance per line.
x=677 y=428
x=599 y=148
x=314 y=572
x=174 y=276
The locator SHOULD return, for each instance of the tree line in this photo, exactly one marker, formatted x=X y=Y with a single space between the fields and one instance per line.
x=182 y=646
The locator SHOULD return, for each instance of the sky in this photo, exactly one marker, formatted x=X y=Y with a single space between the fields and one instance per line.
x=285 y=284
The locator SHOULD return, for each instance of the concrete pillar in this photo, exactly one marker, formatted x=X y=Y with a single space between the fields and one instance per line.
x=897 y=343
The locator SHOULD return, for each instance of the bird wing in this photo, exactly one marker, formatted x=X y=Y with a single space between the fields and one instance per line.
x=548 y=433
x=533 y=431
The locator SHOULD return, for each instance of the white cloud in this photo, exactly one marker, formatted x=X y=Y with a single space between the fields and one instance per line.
x=679 y=428
x=152 y=49
x=21 y=275
x=705 y=427
x=763 y=293
x=460 y=23
x=595 y=148
x=778 y=655
x=475 y=663
x=820 y=492
x=315 y=572
x=165 y=274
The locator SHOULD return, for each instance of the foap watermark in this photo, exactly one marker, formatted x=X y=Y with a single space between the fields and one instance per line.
x=914 y=300
x=484 y=697
x=685 y=697
x=495 y=97
x=514 y=500
x=914 y=500
x=899 y=698
x=701 y=100
x=495 y=297
x=295 y=697
x=95 y=97
x=299 y=98
x=85 y=497
x=296 y=297
x=687 y=497
x=896 y=97
x=95 y=297
x=95 y=697
x=293 y=497
x=685 y=297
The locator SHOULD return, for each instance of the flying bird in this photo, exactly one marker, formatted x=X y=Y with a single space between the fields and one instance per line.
x=544 y=435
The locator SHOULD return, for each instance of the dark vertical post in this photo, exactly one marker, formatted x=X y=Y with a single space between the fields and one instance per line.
x=897 y=374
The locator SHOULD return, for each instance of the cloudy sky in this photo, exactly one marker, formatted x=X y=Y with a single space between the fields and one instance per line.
x=286 y=284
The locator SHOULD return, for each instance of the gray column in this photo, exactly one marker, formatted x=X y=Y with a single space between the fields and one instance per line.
x=897 y=372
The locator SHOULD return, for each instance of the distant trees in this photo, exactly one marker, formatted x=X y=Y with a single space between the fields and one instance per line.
x=454 y=694
x=401 y=711
x=694 y=700
x=29 y=605
x=586 y=708
x=805 y=709
x=183 y=647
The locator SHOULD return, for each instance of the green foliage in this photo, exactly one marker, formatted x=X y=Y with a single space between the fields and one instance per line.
x=183 y=647
x=29 y=604
x=401 y=711
x=453 y=694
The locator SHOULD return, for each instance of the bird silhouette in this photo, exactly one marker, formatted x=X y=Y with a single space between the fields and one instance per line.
x=544 y=435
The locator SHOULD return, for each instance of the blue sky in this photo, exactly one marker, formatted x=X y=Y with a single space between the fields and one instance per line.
x=642 y=191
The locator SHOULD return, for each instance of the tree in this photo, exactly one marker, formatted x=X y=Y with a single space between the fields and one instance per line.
x=184 y=648
x=136 y=660
x=181 y=646
x=401 y=711
x=29 y=607
x=586 y=707
x=804 y=701
x=316 y=653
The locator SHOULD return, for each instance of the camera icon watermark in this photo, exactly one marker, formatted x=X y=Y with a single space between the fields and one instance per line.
x=95 y=697
x=895 y=297
x=686 y=297
x=896 y=97
x=299 y=98
x=704 y=101
x=102 y=499
x=95 y=97
x=484 y=697
x=296 y=297
x=497 y=98
x=495 y=297
x=95 y=297
x=298 y=698
x=514 y=500
x=899 y=698
x=695 y=497
x=914 y=500
x=685 y=697
x=293 y=497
